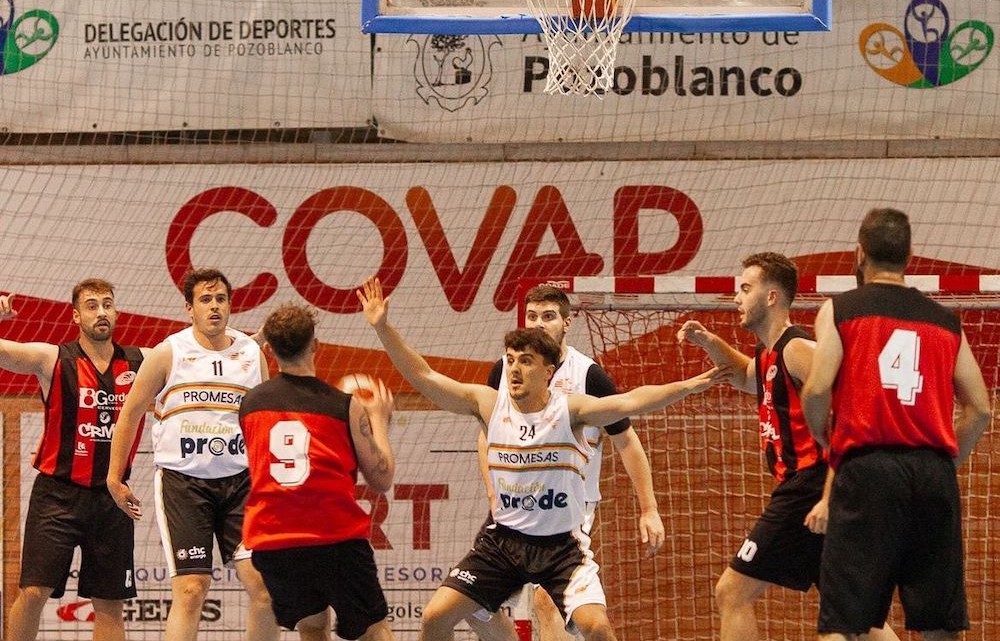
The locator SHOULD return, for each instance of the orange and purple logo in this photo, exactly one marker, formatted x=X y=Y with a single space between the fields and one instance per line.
x=929 y=52
x=26 y=39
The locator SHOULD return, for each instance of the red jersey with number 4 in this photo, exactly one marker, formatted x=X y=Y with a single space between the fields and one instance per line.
x=895 y=383
x=303 y=466
x=81 y=410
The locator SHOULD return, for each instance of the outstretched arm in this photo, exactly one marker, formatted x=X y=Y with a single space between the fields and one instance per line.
x=370 y=431
x=446 y=393
x=589 y=410
x=744 y=370
x=817 y=393
x=36 y=359
x=149 y=380
x=636 y=464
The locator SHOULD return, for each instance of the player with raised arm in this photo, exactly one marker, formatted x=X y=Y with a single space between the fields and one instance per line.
x=306 y=443
x=894 y=366
x=785 y=545
x=548 y=308
x=197 y=378
x=82 y=384
x=537 y=454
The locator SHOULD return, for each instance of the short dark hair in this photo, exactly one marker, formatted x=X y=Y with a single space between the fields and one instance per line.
x=885 y=237
x=549 y=294
x=96 y=285
x=536 y=340
x=289 y=330
x=778 y=269
x=194 y=276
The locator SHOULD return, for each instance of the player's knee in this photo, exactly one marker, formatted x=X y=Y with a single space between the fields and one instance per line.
x=32 y=595
x=438 y=618
x=596 y=630
x=732 y=591
x=189 y=592
x=593 y=624
x=109 y=608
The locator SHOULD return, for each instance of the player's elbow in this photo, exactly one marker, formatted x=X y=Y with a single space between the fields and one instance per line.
x=380 y=480
x=379 y=484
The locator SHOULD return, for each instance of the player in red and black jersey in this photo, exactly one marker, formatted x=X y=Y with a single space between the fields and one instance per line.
x=785 y=545
x=306 y=442
x=83 y=385
x=893 y=363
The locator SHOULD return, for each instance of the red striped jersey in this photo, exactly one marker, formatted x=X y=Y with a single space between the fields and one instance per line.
x=784 y=436
x=303 y=465
x=895 y=386
x=80 y=415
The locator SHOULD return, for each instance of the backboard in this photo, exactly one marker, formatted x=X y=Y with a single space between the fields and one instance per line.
x=473 y=17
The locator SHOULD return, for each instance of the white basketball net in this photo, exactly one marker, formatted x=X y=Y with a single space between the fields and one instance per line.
x=581 y=50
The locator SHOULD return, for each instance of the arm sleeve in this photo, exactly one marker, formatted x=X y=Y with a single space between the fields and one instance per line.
x=600 y=384
x=496 y=373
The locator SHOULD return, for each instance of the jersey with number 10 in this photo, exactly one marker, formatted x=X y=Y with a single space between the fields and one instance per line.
x=303 y=466
x=895 y=382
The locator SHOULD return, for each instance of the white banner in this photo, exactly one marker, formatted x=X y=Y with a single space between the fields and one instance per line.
x=451 y=241
x=888 y=69
x=94 y=65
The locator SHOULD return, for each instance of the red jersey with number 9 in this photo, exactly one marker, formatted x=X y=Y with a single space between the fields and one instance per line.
x=303 y=466
x=895 y=385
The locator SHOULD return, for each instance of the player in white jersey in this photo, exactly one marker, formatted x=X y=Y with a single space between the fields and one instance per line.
x=197 y=378
x=548 y=308
x=536 y=472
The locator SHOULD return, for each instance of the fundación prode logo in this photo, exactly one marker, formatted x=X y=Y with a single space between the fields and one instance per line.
x=24 y=39
x=930 y=51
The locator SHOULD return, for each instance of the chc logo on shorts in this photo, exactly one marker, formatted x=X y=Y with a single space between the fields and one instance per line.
x=463 y=575
x=193 y=553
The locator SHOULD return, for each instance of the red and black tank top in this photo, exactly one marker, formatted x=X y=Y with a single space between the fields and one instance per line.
x=80 y=414
x=303 y=465
x=784 y=436
x=895 y=386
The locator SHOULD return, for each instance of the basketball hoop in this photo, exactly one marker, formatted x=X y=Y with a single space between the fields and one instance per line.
x=582 y=37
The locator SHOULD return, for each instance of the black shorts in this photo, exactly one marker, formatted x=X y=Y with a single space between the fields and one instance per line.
x=780 y=549
x=304 y=581
x=63 y=516
x=503 y=560
x=192 y=511
x=895 y=520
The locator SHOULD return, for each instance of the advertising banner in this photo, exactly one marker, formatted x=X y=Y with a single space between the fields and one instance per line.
x=93 y=66
x=887 y=69
x=424 y=524
x=449 y=241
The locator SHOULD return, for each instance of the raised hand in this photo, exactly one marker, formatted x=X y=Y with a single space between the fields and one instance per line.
x=7 y=306
x=693 y=332
x=378 y=403
x=373 y=304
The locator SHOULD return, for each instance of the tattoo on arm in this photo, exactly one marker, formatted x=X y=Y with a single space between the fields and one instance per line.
x=364 y=426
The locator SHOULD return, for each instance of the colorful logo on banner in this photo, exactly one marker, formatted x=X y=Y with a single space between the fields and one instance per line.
x=928 y=52
x=25 y=40
x=453 y=70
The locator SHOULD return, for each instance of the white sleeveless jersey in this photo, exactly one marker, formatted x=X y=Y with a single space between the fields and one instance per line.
x=571 y=378
x=536 y=468
x=196 y=429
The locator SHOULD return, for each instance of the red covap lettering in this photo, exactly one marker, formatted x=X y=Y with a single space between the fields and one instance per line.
x=548 y=216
